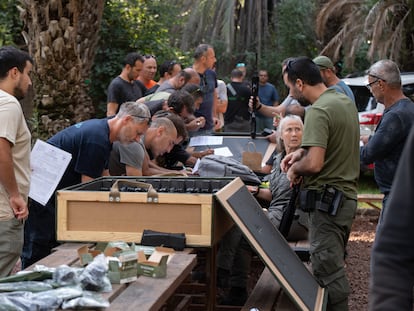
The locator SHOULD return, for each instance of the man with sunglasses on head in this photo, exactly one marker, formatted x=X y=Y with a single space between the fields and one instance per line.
x=125 y=87
x=385 y=146
x=90 y=143
x=328 y=164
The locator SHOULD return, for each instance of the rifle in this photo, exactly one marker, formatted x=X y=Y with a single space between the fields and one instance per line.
x=289 y=214
x=255 y=93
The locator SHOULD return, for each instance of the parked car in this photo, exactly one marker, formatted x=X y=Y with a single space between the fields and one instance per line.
x=369 y=111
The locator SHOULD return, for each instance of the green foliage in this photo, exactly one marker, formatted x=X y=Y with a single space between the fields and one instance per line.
x=293 y=36
x=133 y=25
x=295 y=29
x=10 y=24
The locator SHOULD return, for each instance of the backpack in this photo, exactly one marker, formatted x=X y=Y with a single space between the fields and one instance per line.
x=221 y=166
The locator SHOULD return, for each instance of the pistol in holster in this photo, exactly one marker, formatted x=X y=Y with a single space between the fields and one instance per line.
x=328 y=201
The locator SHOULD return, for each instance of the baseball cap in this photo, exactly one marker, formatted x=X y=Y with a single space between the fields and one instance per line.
x=324 y=62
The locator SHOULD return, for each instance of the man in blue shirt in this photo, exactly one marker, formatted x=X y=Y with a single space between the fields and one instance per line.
x=268 y=96
x=384 y=148
x=90 y=143
x=204 y=60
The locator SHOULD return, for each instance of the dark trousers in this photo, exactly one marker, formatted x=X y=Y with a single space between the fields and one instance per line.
x=39 y=232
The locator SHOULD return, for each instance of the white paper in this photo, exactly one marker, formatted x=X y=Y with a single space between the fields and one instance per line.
x=196 y=166
x=205 y=140
x=48 y=164
x=223 y=151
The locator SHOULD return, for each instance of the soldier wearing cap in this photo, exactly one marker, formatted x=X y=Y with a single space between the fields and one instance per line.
x=329 y=77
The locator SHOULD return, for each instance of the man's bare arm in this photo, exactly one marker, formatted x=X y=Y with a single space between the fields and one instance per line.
x=111 y=109
x=8 y=181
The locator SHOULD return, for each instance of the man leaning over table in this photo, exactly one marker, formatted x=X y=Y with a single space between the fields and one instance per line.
x=89 y=143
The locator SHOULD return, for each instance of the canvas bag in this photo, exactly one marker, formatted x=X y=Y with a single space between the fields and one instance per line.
x=252 y=158
x=221 y=166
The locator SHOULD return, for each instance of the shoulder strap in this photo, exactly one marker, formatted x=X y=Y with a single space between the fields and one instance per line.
x=231 y=89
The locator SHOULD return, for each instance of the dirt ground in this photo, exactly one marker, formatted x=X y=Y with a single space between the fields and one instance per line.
x=358 y=260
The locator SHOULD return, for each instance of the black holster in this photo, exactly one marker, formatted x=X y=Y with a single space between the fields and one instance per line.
x=328 y=201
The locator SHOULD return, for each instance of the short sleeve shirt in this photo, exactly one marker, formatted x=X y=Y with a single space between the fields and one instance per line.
x=125 y=154
x=121 y=91
x=88 y=143
x=13 y=127
x=332 y=123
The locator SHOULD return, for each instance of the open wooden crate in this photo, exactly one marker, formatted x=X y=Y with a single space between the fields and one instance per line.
x=95 y=211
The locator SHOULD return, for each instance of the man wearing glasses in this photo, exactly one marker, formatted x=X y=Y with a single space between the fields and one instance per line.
x=328 y=164
x=90 y=144
x=385 y=146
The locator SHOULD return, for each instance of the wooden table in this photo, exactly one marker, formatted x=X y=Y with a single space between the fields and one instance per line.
x=145 y=293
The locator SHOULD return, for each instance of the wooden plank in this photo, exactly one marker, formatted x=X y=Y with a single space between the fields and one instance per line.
x=64 y=254
x=151 y=293
x=373 y=200
x=264 y=294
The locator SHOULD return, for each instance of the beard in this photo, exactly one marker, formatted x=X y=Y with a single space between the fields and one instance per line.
x=303 y=101
x=19 y=93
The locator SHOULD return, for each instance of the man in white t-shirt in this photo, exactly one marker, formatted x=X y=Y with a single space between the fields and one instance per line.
x=15 y=145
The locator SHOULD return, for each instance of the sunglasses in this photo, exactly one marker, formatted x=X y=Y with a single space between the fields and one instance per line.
x=148 y=56
x=171 y=66
x=141 y=118
x=289 y=65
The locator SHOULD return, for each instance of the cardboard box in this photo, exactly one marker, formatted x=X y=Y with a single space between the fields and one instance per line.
x=87 y=255
x=122 y=261
x=156 y=265
x=88 y=212
x=122 y=265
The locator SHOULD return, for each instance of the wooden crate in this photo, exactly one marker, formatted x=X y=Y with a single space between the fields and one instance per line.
x=89 y=212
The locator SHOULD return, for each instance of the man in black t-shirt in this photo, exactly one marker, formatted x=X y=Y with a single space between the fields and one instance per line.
x=237 y=115
x=125 y=87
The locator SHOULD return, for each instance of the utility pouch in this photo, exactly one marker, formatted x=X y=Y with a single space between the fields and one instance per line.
x=331 y=200
x=307 y=200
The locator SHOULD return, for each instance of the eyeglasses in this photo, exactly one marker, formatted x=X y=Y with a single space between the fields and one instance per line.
x=142 y=118
x=369 y=85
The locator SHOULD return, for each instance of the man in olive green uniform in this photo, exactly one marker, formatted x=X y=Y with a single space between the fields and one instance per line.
x=328 y=162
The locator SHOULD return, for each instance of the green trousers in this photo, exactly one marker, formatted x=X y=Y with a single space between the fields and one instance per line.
x=328 y=238
x=11 y=244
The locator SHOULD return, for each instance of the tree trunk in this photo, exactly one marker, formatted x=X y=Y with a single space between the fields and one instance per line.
x=62 y=36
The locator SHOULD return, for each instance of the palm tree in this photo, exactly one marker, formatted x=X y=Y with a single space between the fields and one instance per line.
x=237 y=26
x=62 y=37
x=386 y=26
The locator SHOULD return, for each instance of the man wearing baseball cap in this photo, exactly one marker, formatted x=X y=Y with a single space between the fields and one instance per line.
x=329 y=77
